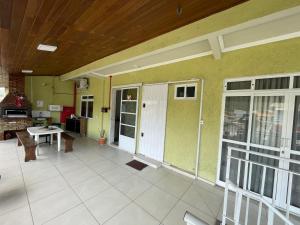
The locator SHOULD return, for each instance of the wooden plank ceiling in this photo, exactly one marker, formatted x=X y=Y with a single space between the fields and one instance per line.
x=87 y=30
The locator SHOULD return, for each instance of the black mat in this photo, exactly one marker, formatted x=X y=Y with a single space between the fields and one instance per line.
x=137 y=165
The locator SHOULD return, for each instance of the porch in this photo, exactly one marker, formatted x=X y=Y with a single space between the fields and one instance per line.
x=93 y=185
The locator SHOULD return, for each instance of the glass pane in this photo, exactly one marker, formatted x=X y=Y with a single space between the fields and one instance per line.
x=190 y=91
x=236 y=118
x=296 y=82
x=238 y=85
x=272 y=83
x=84 y=97
x=180 y=92
x=128 y=119
x=233 y=163
x=129 y=94
x=267 y=120
x=90 y=97
x=129 y=107
x=127 y=131
x=83 y=109
x=90 y=109
x=296 y=126
x=295 y=196
x=257 y=171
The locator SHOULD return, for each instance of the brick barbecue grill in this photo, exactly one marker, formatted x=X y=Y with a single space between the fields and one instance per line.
x=15 y=114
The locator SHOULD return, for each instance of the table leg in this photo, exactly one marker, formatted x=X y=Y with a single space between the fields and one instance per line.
x=58 y=141
x=51 y=139
x=36 y=138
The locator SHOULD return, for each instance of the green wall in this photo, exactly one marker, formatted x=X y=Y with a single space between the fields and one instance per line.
x=51 y=90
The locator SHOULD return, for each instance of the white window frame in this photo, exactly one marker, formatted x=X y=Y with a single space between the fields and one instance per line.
x=185 y=91
x=86 y=107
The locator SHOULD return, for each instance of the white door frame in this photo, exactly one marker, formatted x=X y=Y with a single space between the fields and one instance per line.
x=112 y=114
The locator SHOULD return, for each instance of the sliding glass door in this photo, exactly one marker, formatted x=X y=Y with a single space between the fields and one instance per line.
x=262 y=119
x=292 y=149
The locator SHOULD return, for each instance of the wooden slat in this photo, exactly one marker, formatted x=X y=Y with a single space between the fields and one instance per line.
x=87 y=30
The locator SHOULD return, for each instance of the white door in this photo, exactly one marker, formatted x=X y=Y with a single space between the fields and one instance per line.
x=128 y=117
x=153 y=121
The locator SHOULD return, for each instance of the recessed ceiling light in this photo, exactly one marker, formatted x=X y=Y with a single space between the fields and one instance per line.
x=48 y=48
x=27 y=71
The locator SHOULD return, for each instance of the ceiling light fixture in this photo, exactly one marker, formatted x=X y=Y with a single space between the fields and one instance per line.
x=27 y=71
x=47 y=48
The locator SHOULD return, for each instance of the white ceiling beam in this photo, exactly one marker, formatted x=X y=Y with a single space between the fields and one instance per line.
x=215 y=47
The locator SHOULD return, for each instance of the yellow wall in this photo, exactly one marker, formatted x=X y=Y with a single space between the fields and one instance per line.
x=51 y=90
x=96 y=88
x=182 y=131
x=280 y=57
x=239 y=14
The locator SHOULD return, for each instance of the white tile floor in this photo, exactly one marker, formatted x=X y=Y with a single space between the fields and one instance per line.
x=92 y=185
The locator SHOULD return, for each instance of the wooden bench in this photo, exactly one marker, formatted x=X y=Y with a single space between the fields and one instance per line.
x=68 y=139
x=28 y=143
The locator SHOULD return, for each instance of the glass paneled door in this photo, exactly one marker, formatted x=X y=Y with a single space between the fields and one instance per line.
x=292 y=149
x=128 y=115
x=268 y=131
x=260 y=122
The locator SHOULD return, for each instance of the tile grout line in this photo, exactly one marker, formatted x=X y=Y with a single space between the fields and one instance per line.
x=132 y=201
x=29 y=205
x=102 y=192
x=155 y=185
x=82 y=202
x=178 y=200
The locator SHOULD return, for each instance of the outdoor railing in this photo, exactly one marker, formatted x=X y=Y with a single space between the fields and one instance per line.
x=242 y=182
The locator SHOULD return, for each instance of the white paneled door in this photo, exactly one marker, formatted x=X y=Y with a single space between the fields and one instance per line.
x=153 y=121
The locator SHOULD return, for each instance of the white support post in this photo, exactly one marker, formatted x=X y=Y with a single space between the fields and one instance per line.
x=270 y=217
x=215 y=47
x=261 y=195
x=226 y=186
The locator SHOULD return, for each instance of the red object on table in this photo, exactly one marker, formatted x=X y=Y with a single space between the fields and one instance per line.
x=66 y=113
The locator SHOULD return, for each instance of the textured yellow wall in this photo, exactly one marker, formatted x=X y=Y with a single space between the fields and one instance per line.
x=95 y=89
x=233 y=16
x=280 y=57
x=51 y=90
x=182 y=131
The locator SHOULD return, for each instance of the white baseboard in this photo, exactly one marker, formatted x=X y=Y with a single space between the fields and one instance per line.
x=206 y=181
x=178 y=171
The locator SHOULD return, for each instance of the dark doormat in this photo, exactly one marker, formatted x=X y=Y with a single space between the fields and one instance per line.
x=137 y=165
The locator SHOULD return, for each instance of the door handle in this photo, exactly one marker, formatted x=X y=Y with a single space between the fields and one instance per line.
x=144 y=105
x=142 y=134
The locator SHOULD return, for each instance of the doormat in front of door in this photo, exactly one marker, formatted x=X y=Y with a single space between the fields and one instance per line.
x=136 y=165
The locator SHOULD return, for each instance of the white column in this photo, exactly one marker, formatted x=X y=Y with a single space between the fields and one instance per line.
x=51 y=139
x=58 y=141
